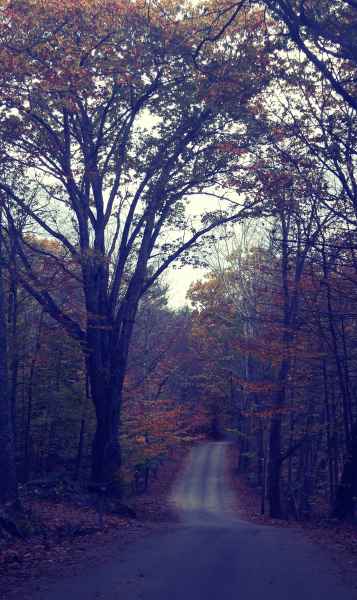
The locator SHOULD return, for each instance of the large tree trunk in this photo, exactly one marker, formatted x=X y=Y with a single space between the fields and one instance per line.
x=106 y=451
x=106 y=370
x=108 y=341
x=8 y=485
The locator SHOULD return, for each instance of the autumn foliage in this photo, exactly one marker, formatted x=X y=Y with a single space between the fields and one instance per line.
x=136 y=136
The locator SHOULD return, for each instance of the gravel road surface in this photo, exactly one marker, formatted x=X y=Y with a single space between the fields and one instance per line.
x=210 y=554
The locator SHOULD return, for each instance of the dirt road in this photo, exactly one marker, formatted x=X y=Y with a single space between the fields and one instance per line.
x=210 y=555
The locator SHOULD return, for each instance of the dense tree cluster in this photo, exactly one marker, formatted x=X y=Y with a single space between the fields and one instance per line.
x=133 y=135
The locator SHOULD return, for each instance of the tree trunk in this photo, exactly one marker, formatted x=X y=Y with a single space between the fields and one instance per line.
x=290 y=310
x=77 y=472
x=8 y=487
x=275 y=458
x=346 y=401
x=106 y=451
x=107 y=356
x=345 y=503
x=14 y=367
x=275 y=467
x=27 y=456
x=106 y=393
x=328 y=432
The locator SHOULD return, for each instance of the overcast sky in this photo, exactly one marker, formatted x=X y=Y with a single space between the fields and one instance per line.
x=179 y=281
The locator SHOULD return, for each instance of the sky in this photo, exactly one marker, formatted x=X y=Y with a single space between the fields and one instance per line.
x=179 y=281
x=242 y=236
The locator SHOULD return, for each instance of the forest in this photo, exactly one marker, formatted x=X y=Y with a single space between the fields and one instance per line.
x=138 y=137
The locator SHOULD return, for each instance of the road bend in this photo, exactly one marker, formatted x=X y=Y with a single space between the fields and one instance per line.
x=210 y=554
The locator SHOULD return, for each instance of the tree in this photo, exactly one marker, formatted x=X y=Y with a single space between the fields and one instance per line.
x=324 y=126
x=8 y=487
x=111 y=130
x=326 y=33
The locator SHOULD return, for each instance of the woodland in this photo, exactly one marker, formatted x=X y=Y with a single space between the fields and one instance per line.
x=142 y=135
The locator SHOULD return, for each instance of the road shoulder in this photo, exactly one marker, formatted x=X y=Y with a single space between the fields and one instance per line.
x=337 y=540
x=72 y=541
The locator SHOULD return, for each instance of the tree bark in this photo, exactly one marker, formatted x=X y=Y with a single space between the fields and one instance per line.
x=328 y=432
x=275 y=467
x=346 y=496
x=106 y=370
x=106 y=451
x=14 y=353
x=8 y=487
